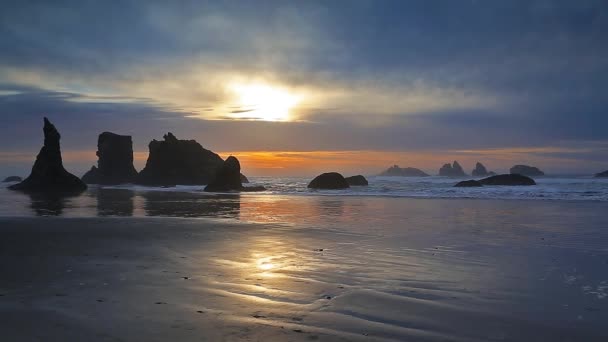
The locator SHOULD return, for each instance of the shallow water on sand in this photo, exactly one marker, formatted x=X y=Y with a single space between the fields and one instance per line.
x=309 y=267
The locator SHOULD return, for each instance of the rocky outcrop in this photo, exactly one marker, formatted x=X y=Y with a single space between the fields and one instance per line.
x=48 y=174
x=396 y=171
x=228 y=178
x=115 y=164
x=244 y=179
x=508 y=179
x=468 y=184
x=174 y=161
x=526 y=170
x=481 y=171
x=357 y=180
x=454 y=170
x=330 y=180
x=602 y=174
x=12 y=179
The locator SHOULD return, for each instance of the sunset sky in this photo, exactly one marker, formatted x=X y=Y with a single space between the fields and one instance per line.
x=300 y=87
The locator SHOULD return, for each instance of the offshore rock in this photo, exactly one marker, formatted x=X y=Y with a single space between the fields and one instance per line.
x=115 y=164
x=330 y=180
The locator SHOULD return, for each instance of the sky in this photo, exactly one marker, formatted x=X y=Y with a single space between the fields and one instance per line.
x=302 y=87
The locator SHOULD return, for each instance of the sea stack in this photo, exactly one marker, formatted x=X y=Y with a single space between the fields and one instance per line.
x=115 y=164
x=454 y=170
x=357 y=180
x=228 y=178
x=602 y=174
x=174 y=161
x=48 y=174
x=526 y=170
x=396 y=171
x=12 y=179
x=330 y=181
x=481 y=171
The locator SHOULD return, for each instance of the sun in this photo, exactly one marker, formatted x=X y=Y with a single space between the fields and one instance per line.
x=263 y=102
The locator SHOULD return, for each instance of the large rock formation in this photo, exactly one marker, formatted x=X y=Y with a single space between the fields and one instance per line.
x=508 y=179
x=602 y=174
x=454 y=170
x=115 y=164
x=468 y=184
x=244 y=179
x=397 y=171
x=48 y=174
x=526 y=170
x=481 y=171
x=12 y=179
x=228 y=178
x=330 y=180
x=357 y=180
x=174 y=161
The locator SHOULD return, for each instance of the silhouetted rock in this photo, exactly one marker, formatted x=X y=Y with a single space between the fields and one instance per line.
x=468 y=184
x=508 y=179
x=244 y=179
x=396 y=171
x=91 y=176
x=228 y=178
x=330 y=180
x=357 y=180
x=12 y=179
x=174 y=161
x=48 y=174
x=115 y=164
x=526 y=170
x=454 y=170
x=481 y=171
x=602 y=174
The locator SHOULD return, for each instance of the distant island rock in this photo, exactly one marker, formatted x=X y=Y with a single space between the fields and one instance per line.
x=330 y=180
x=506 y=179
x=481 y=171
x=12 y=179
x=174 y=161
x=526 y=170
x=228 y=178
x=396 y=171
x=602 y=174
x=468 y=184
x=115 y=164
x=357 y=180
x=48 y=174
x=454 y=170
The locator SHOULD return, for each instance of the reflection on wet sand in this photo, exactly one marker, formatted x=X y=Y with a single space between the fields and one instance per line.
x=48 y=204
x=115 y=202
x=176 y=204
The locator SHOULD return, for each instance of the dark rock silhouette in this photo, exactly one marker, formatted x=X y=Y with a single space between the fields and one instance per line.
x=48 y=174
x=330 y=180
x=454 y=170
x=397 y=171
x=174 y=161
x=244 y=179
x=115 y=164
x=526 y=170
x=357 y=180
x=12 y=179
x=481 y=171
x=228 y=178
x=92 y=176
x=602 y=174
x=508 y=179
x=468 y=184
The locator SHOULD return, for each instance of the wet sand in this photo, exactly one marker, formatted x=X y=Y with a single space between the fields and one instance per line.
x=442 y=270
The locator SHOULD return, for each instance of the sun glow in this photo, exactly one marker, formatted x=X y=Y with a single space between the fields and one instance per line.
x=263 y=102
